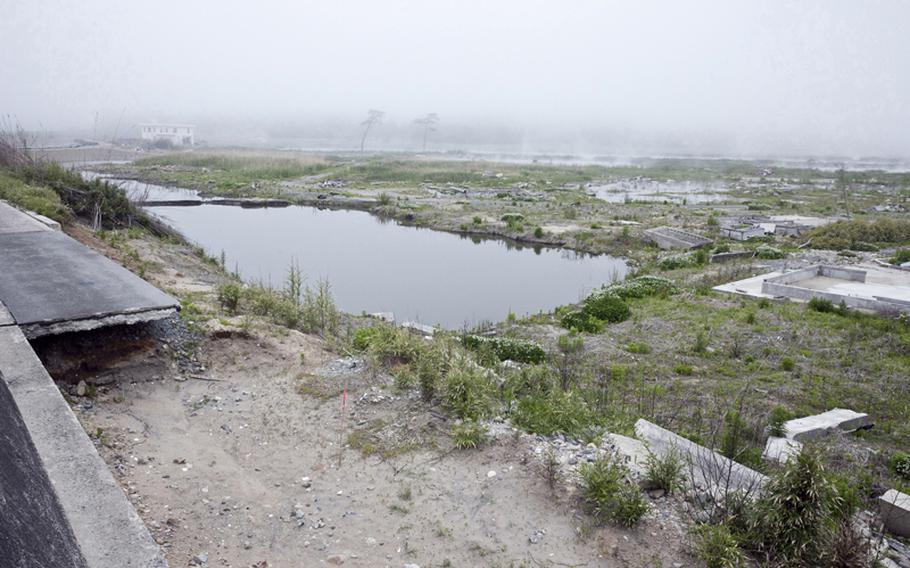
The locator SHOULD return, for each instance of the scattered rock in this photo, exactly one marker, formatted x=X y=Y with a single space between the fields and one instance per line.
x=81 y=388
x=200 y=559
x=336 y=559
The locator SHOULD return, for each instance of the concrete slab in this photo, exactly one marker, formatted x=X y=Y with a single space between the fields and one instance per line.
x=809 y=427
x=781 y=450
x=707 y=468
x=13 y=220
x=634 y=452
x=6 y=318
x=894 y=508
x=107 y=529
x=48 y=278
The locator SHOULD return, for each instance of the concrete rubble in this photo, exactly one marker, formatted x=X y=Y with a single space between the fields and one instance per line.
x=818 y=425
x=894 y=508
x=671 y=237
x=708 y=469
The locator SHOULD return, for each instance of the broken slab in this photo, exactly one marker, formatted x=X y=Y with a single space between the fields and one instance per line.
x=781 y=449
x=818 y=425
x=718 y=474
x=51 y=283
x=894 y=508
x=107 y=530
x=634 y=452
x=420 y=328
x=671 y=237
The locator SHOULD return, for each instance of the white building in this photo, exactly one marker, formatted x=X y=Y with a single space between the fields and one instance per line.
x=176 y=134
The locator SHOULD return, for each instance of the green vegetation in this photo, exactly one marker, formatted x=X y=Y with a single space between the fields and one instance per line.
x=664 y=472
x=859 y=234
x=718 y=547
x=608 y=495
x=900 y=465
x=468 y=434
x=506 y=348
x=900 y=256
x=39 y=199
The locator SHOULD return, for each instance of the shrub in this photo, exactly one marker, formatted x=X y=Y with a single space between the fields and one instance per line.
x=847 y=234
x=664 y=472
x=477 y=221
x=676 y=262
x=607 y=307
x=768 y=252
x=554 y=411
x=432 y=365
x=581 y=321
x=642 y=287
x=507 y=348
x=468 y=391
x=638 y=348
x=777 y=420
x=683 y=369
x=229 y=296
x=826 y=306
x=318 y=312
x=538 y=232
x=608 y=496
x=468 y=434
x=900 y=256
x=900 y=465
x=787 y=364
x=717 y=547
x=390 y=345
x=791 y=520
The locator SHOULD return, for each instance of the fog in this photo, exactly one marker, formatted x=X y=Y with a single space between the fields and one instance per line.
x=730 y=78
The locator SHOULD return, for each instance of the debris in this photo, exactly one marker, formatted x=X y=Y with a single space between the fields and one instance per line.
x=894 y=507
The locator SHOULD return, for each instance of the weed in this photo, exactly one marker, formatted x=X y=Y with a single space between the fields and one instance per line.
x=718 y=547
x=468 y=434
x=608 y=496
x=229 y=295
x=664 y=472
x=468 y=390
x=683 y=369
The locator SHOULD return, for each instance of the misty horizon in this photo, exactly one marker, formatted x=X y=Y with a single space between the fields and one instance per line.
x=813 y=79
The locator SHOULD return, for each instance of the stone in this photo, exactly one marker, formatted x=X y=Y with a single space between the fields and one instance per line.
x=336 y=559
x=201 y=559
x=781 y=450
x=894 y=508
x=81 y=388
x=491 y=474
x=809 y=427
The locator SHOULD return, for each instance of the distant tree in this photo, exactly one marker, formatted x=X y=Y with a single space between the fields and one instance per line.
x=428 y=123
x=374 y=117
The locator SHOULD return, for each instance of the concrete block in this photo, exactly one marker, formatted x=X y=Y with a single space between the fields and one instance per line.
x=781 y=449
x=707 y=468
x=420 y=328
x=894 y=508
x=810 y=427
x=634 y=452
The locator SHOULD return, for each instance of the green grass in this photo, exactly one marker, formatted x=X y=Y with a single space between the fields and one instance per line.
x=35 y=198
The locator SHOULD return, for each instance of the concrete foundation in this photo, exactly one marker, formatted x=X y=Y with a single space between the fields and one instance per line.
x=867 y=287
x=894 y=508
x=671 y=237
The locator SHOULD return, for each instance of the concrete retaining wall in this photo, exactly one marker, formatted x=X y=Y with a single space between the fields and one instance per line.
x=107 y=529
x=786 y=285
x=33 y=527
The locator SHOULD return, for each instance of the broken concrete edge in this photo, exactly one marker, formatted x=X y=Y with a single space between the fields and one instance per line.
x=40 y=329
x=818 y=425
x=894 y=508
x=781 y=450
x=108 y=530
x=6 y=318
x=715 y=473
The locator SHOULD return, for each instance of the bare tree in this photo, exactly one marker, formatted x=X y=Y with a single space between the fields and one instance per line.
x=374 y=117
x=428 y=123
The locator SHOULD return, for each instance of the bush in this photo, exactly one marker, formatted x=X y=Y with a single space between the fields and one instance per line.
x=553 y=412
x=608 y=496
x=642 y=287
x=507 y=348
x=664 y=472
x=638 y=348
x=676 y=262
x=900 y=465
x=900 y=256
x=768 y=252
x=538 y=232
x=787 y=364
x=777 y=420
x=793 y=519
x=683 y=369
x=468 y=434
x=581 y=321
x=848 y=234
x=229 y=296
x=468 y=391
x=717 y=547
x=607 y=308
x=826 y=306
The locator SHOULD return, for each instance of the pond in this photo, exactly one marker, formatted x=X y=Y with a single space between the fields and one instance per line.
x=374 y=265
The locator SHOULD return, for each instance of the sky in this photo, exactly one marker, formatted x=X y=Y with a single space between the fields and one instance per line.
x=825 y=77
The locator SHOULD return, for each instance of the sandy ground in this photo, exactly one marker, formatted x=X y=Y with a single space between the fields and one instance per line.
x=236 y=449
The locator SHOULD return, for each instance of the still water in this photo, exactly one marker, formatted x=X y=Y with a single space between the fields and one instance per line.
x=376 y=266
